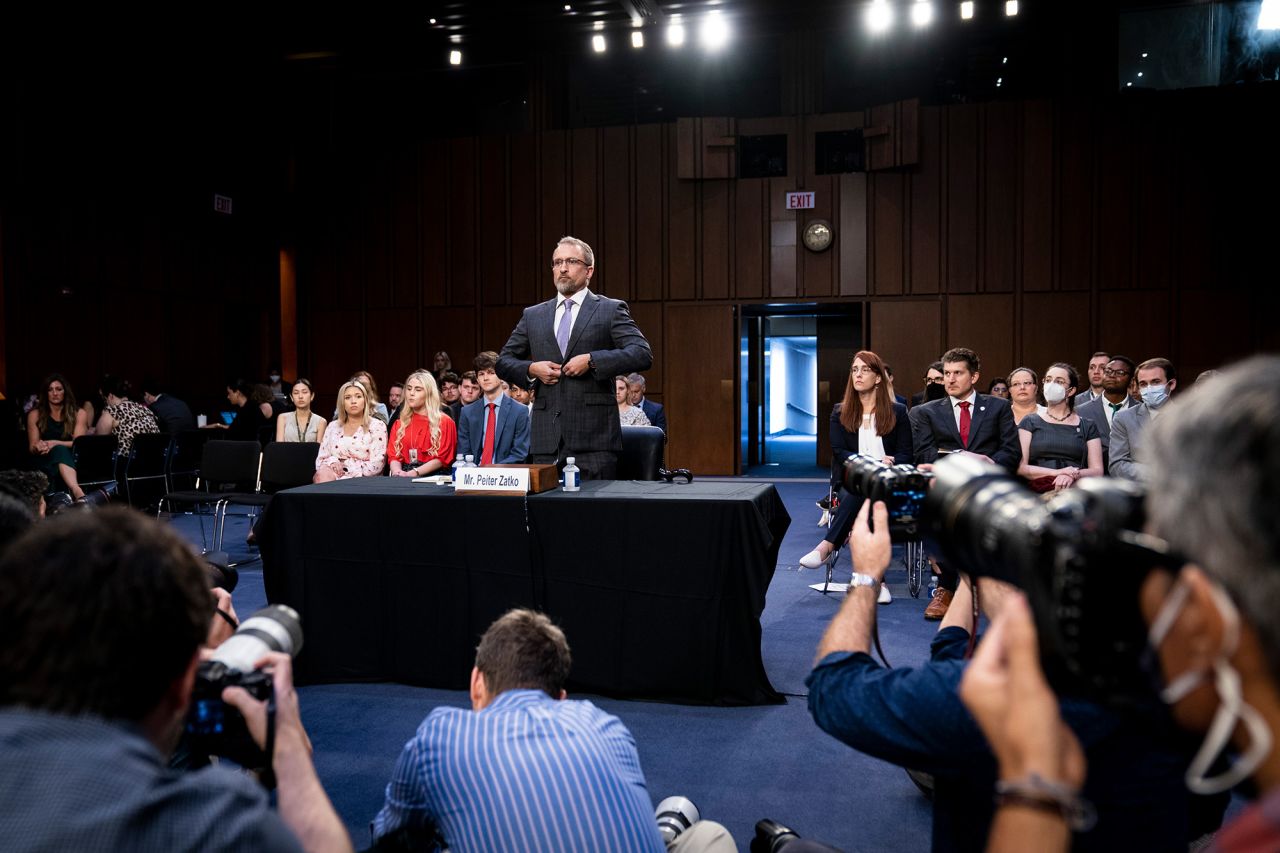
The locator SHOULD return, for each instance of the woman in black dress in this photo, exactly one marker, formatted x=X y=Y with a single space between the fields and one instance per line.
x=866 y=422
x=1058 y=446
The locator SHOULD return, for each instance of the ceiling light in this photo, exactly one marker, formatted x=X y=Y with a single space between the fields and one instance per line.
x=568 y=8
x=966 y=10
x=455 y=39
x=431 y=21
x=637 y=38
x=1144 y=56
x=879 y=16
x=1004 y=61
x=921 y=13
x=1268 y=15
x=455 y=57
x=599 y=25
x=714 y=32
x=598 y=44
x=675 y=32
x=1010 y=8
x=1139 y=73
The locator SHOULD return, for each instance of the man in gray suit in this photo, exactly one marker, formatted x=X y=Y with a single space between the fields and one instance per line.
x=568 y=350
x=1117 y=376
x=1156 y=382
x=1097 y=369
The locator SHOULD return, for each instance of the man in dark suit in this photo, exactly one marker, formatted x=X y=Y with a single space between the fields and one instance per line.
x=510 y=441
x=653 y=411
x=172 y=414
x=568 y=350
x=932 y=376
x=963 y=422
x=1117 y=376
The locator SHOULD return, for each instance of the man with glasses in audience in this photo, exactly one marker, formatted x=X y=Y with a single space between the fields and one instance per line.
x=568 y=350
x=932 y=376
x=1116 y=379
x=1156 y=383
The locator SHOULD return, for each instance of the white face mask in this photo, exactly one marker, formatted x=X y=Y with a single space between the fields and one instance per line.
x=1054 y=393
x=1231 y=705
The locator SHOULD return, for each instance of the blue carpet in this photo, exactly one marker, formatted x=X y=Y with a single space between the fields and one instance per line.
x=738 y=764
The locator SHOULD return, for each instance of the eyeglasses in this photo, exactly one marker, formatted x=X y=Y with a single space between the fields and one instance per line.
x=1026 y=383
x=570 y=263
x=1109 y=372
x=860 y=371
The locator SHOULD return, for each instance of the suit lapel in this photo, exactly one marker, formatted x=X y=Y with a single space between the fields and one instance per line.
x=584 y=317
x=948 y=414
x=977 y=417
x=504 y=424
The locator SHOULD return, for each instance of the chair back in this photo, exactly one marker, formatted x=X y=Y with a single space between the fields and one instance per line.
x=267 y=433
x=185 y=455
x=288 y=464
x=642 y=453
x=148 y=456
x=231 y=464
x=95 y=457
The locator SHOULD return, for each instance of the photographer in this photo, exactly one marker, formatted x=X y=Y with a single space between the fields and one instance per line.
x=913 y=717
x=101 y=619
x=1214 y=468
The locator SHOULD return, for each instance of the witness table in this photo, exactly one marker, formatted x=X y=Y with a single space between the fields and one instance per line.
x=658 y=586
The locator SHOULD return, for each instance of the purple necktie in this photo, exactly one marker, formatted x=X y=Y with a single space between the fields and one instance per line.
x=566 y=323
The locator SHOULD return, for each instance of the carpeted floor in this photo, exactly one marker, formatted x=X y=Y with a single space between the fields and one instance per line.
x=738 y=764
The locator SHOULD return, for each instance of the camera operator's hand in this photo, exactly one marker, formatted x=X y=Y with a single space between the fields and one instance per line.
x=1005 y=690
x=221 y=627
x=871 y=551
x=288 y=718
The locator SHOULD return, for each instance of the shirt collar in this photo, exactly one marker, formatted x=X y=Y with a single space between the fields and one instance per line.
x=578 y=298
x=517 y=697
x=971 y=399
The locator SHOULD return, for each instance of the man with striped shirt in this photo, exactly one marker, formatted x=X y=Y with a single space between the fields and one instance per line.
x=526 y=769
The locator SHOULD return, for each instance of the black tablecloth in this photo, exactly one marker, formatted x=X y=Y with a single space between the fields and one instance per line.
x=658 y=586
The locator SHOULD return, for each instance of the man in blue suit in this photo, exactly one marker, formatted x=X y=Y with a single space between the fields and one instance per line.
x=510 y=420
x=635 y=395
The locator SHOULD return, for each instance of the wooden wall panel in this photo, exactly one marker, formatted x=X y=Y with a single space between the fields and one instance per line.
x=553 y=188
x=1035 y=184
x=529 y=257
x=648 y=316
x=925 y=206
x=494 y=221
x=851 y=231
x=464 y=260
x=963 y=208
x=818 y=269
x=888 y=226
x=1212 y=336
x=783 y=237
x=981 y=323
x=650 y=256
x=1075 y=127
x=1135 y=323
x=702 y=406
x=1155 y=212
x=616 y=229
x=1050 y=334
x=682 y=267
x=496 y=325
x=715 y=250
x=1115 y=203
x=999 y=197
x=434 y=204
x=584 y=186
x=750 y=243
x=375 y=262
x=454 y=331
x=392 y=356
x=404 y=229
x=908 y=335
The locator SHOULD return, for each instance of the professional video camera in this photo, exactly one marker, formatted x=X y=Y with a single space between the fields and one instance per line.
x=903 y=488
x=215 y=728
x=1079 y=556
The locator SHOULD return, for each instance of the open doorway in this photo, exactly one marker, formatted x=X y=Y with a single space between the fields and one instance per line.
x=791 y=355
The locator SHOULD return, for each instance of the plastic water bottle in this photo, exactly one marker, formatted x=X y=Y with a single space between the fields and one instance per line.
x=572 y=478
x=458 y=465
x=471 y=461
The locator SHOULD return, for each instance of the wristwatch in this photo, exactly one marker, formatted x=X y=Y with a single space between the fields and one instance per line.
x=860 y=579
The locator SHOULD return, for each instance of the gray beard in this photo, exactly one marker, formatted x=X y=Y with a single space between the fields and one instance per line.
x=566 y=288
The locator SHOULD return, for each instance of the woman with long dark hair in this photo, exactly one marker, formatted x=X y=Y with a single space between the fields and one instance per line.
x=866 y=422
x=52 y=426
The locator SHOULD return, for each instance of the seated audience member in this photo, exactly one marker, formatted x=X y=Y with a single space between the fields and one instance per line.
x=87 y=731
x=271 y=405
x=1059 y=447
x=469 y=389
x=395 y=396
x=888 y=375
x=1117 y=376
x=27 y=486
x=302 y=424
x=628 y=414
x=449 y=395
x=277 y=385
x=355 y=442
x=377 y=409
x=932 y=376
x=172 y=414
x=1213 y=466
x=1097 y=373
x=250 y=416
x=440 y=364
x=507 y=442
x=1157 y=381
x=867 y=422
x=1139 y=757
x=526 y=768
x=122 y=417
x=52 y=427
x=999 y=388
x=1024 y=393
x=423 y=440
x=655 y=412
x=520 y=395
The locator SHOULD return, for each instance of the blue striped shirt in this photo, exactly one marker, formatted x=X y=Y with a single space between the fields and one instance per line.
x=526 y=773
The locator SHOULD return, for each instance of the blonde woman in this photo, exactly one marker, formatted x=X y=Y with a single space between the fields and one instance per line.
x=423 y=439
x=377 y=408
x=355 y=444
x=301 y=424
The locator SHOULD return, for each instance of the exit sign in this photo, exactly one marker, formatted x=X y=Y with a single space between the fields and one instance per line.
x=222 y=204
x=799 y=201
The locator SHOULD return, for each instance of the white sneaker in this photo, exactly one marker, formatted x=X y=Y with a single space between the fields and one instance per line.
x=885 y=595
x=813 y=560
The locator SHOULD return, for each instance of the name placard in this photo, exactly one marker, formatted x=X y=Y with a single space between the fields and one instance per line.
x=501 y=481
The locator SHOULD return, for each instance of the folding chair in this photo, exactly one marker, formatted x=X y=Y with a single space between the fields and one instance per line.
x=641 y=456
x=285 y=465
x=95 y=457
x=147 y=460
x=184 y=457
x=225 y=466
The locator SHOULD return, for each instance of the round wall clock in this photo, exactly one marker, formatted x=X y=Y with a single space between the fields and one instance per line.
x=818 y=235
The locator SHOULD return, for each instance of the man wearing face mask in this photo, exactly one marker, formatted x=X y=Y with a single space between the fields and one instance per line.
x=1156 y=383
x=1211 y=623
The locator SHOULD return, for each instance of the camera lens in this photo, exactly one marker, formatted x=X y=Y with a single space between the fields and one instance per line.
x=277 y=628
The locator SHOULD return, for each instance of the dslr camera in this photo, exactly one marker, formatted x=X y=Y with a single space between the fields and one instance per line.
x=903 y=488
x=1079 y=556
x=214 y=727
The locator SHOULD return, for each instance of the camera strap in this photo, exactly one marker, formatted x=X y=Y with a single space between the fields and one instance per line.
x=268 y=775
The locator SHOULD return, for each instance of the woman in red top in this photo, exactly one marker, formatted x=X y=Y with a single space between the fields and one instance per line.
x=423 y=439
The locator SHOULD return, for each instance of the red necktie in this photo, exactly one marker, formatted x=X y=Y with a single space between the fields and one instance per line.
x=486 y=458
x=964 y=423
